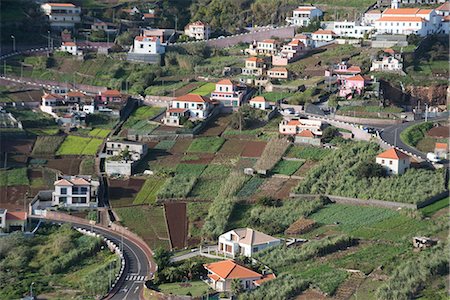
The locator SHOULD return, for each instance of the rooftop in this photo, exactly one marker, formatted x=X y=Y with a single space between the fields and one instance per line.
x=250 y=236
x=392 y=154
x=228 y=269
x=193 y=98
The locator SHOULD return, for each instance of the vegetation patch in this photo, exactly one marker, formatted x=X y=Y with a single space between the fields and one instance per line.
x=414 y=134
x=206 y=145
x=14 y=177
x=99 y=132
x=287 y=167
x=352 y=161
x=272 y=153
x=77 y=145
x=46 y=145
x=205 y=89
x=181 y=184
x=209 y=182
x=308 y=152
x=149 y=191
x=250 y=187
x=164 y=145
x=148 y=222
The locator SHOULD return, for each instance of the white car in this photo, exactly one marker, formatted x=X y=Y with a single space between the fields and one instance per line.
x=433 y=157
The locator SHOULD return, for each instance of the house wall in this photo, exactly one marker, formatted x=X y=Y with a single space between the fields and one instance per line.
x=118 y=167
x=394 y=166
x=307 y=140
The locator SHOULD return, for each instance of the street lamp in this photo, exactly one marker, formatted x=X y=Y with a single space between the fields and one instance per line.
x=14 y=42
x=48 y=43
x=31 y=289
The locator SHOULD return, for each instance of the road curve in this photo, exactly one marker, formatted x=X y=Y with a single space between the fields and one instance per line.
x=391 y=135
x=137 y=266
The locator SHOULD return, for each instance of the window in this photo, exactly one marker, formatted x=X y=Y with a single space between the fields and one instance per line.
x=63 y=199
x=141 y=46
x=84 y=190
x=255 y=249
x=382 y=161
x=390 y=162
x=78 y=200
x=63 y=191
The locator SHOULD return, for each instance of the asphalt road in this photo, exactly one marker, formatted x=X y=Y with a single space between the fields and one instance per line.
x=137 y=267
x=391 y=135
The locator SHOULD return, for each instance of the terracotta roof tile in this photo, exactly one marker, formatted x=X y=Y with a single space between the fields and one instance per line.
x=228 y=269
x=400 y=19
x=355 y=78
x=193 y=98
x=16 y=215
x=444 y=7
x=265 y=278
x=61 y=4
x=306 y=133
x=258 y=99
x=393 y=154
x=225 y=82
x=111 y=93
x=441 y=146
x=401 y=11
x=322 y=31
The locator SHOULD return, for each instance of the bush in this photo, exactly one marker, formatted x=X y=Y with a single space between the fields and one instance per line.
x=285 y=286
x=412 y=135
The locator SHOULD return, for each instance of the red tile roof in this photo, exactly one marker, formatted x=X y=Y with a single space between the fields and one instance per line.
x=51 y=96
x=228 y=269
x=306 y=133
x=425 y=11
x=177 y=110
x=293 y=122
x=401 y=11
x=140 y=38
x=61 y=4
x=355 y=78
x=393 y=154
x=193 y=98
x=255 y=59
x=75 y=94
x=265 y=278
x=258 y=99
x=68 y=44
x=322 y=31
x=444 y=7
x=400 y=19
x=441 y=146
x=225 y=82
x=270 y=41
x=111 y=93
x=304 y=8
x=278 y=69
x=16 y=215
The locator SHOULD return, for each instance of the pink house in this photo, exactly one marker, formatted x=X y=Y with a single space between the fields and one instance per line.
x=351 y=86
x=110 y=96
x=343 y=70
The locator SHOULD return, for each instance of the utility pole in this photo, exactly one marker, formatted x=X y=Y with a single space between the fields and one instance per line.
x=48 y=43
x=176 y=23
x=21 y=71
x=395 y=137
x=426 y=112
x=4 y=68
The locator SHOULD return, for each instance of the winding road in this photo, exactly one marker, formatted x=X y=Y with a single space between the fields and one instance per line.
x=137 y=266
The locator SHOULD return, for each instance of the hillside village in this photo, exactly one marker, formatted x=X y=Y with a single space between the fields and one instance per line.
x=234 y=150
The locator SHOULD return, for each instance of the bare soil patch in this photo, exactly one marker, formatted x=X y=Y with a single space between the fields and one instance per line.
x=253 y=148
x=311 y=295
x=186 y=89
x=13 y=144
x=233 y=147
x=286 y=188
x=439 y=132
x=12 y=197
x=270 y=188
x=305 y=168
x=176 y=223
x=217 y=126
x=67 y=165
x=180 y=146
x=123 y=192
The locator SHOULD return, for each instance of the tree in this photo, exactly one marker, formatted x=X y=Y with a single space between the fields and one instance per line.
x=236 y=286
x=162 y=258
x=369 y=169
x=329 y=133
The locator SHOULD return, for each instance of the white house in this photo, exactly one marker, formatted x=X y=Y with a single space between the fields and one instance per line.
x=259 y=102
x=197 y=30
x=305 y=39
x=303 y=15
x=322 y=36
x=245 y=241
x=293 y=126
x=255 y=66
x=444 y=9
x=394 y=161
x=278 y=73
x=228 y=93
x=222 y=273
x=289 y=53
x=407 y=21
x=62 y=15
x=77 y=191
x=70 y=47
x=267 y=46
x=348 y=29
x=190 y=106
x=147 y=45
x=12 y=220
x=135 y=150
x=370 y=17
x=387 y=64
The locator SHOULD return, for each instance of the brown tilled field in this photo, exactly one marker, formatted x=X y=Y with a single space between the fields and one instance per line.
x=286 y=188
x=181 y=146
x=186 y=89
x=271 y=187
x=122 y=192
x=253 y=148
x=12 y=197
x=233 y=147
x=67 y=165
x=217 y=127
x=177 y=223
x=203 y=158
x=13 y=144
x=305 y=168
x=439 y=132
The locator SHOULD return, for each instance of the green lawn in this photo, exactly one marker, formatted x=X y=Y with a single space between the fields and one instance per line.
x=76 y=145
x=209 y=182
x=287 y=167
x=165 y=145
x=307 y=152
x=14 y=177
x=195 y=288
x=205 y=89
x=148 y=222
x=99 y=132
x=206 y=145
x=148 y=192
x=438 y=205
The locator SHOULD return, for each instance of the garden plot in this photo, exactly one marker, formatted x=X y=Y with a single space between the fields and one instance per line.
x=206 y=145
x=232 y=147
x=196 y=214
x=209 y=182
x=181 y=146
x=164 y=145
x=148 y=222
x=148 y=192
x=286 y=189
x=217 y=126
x=250 y=187
x=199 y=158
x=253 y=149
x=205 y=89
x=123 y=192
x=176 y=223
x=41 y=179
x=47 y=145
x=99 y=132
x=181 y=184
x=273 y=152
x=68 y=166
x=269 y=188
x=13 y=144
x=76 y=145
x=287 y=167
x=14 y=177
x=305 y=167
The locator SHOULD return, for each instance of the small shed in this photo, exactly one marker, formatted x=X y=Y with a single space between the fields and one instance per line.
x=423 y=242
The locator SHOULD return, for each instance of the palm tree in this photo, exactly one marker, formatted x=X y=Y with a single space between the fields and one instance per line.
x=236 y=286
